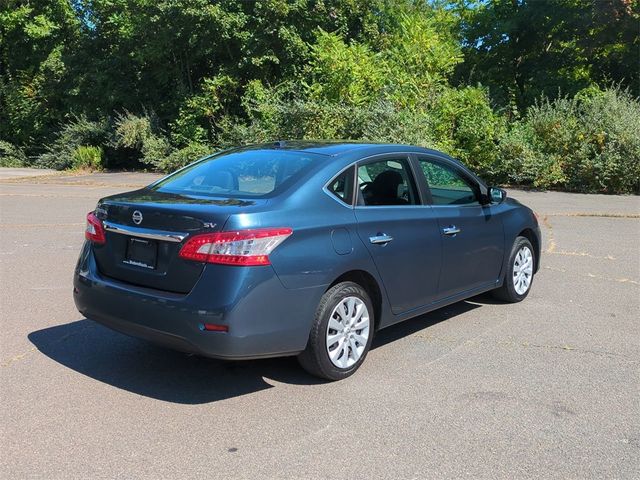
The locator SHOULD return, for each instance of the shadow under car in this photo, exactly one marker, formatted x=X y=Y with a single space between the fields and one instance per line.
x=142 y=368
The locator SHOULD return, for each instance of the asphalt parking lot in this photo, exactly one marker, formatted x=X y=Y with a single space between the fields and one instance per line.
x=546 y=388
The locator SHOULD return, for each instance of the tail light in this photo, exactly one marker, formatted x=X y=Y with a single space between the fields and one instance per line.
x=241 y=247
x=94 y=231
x=212 y=327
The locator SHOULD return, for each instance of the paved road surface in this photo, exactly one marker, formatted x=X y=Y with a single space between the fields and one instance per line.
x=18 y=173
x=546 y=388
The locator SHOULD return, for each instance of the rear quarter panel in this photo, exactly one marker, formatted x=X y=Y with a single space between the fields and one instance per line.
x=324 y=243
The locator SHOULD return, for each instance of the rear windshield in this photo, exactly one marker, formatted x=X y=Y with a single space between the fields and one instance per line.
x=252 y=173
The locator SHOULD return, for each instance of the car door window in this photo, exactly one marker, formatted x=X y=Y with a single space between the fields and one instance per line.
x=386 y=182
x=447 y=185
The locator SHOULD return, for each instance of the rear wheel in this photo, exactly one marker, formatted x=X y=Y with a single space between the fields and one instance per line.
x=519 y=275
x=341 y=334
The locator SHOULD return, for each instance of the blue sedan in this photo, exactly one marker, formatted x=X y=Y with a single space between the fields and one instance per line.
x=300 y=248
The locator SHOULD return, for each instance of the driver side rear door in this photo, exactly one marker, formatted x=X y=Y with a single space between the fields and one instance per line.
x=400 y=232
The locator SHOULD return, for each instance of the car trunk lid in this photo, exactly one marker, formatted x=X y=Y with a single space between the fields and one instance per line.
x=146 y=229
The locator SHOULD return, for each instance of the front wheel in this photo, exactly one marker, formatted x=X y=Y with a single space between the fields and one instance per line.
x=341 y=333
x=519 y=275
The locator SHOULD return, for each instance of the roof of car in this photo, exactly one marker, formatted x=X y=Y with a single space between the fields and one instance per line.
x=342 y=148
x=325 y=147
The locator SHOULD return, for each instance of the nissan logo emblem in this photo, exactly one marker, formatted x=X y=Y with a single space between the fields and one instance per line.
x=137 y=217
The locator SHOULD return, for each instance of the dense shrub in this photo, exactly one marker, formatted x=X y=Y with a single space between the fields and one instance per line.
x=199 y=113
x=143 y=137
x=12 y=156
x=88 y=158
x=79 y=131
x=458 y=122
x=589 y=143
x=183 y=156
x=609 y=157
x=277 y=115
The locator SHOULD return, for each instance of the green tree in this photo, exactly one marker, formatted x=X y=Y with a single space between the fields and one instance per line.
x=522 y=49
x=37 y=88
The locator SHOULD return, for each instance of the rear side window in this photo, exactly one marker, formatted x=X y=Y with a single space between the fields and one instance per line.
x=386 y=182
x=250 y=173
x=341 y=187
x=447 y=185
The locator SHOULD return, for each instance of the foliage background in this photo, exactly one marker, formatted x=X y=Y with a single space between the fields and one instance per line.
x=531 y=92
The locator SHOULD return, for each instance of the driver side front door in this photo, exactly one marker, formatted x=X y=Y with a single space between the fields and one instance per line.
x=471 y=233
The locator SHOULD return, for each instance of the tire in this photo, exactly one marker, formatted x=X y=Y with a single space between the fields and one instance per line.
x=337 y=347
x=515 y=288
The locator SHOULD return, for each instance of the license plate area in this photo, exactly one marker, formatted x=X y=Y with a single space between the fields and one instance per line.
x=142 y=253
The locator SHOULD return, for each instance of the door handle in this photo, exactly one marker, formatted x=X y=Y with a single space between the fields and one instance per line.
x=381 y=239
x=451 y=230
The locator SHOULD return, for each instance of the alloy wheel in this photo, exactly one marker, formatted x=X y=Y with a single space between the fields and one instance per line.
x=522 y=270
x=347 y=332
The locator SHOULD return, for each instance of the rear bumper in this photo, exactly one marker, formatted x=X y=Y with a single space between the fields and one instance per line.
x=264 y=318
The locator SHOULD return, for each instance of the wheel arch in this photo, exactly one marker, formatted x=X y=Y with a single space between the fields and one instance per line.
x=370 y=284
x=530 y=235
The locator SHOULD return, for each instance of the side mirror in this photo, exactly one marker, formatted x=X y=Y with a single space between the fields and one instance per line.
x=497 y=195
